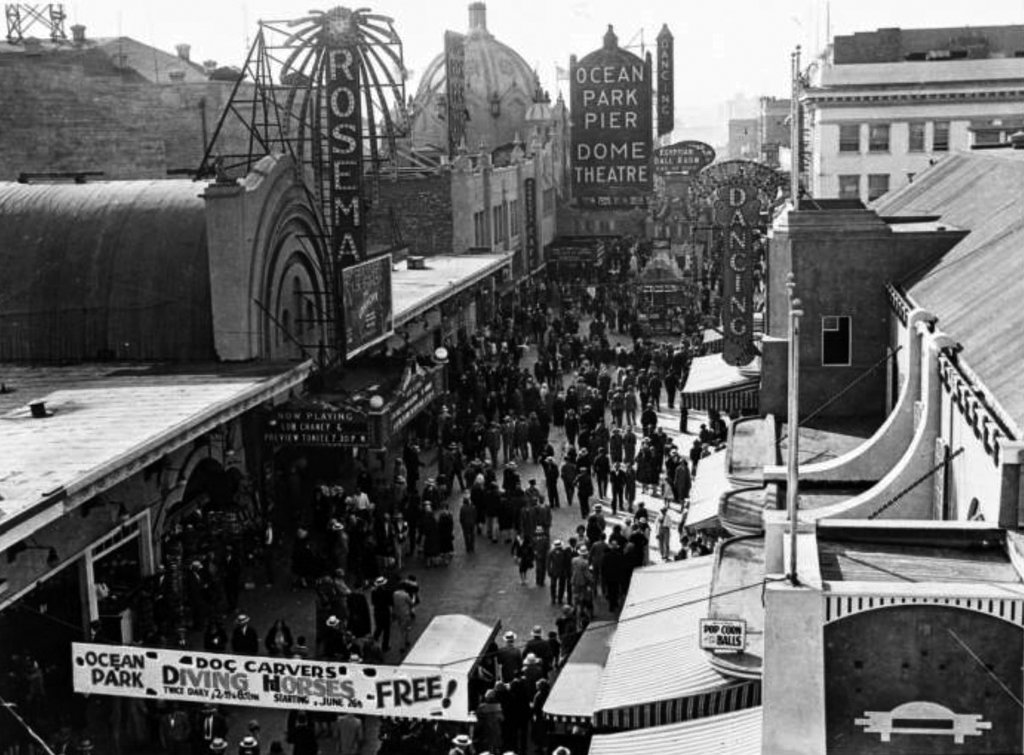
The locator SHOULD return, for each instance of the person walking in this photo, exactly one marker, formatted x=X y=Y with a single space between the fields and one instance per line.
x=664 y=527
x=467 y=521
x=559 y=569
x=541 y=548
x=569 y=474
x=381 y=599
x=585 y=489
x=522 y=552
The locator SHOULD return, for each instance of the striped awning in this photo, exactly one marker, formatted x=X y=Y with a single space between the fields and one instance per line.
x=738 y=733
x=713 y=384
x=713 y=342
x=656 y=672
x=572 y=695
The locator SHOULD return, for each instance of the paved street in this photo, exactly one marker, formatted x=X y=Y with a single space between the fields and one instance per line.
x=484 y=584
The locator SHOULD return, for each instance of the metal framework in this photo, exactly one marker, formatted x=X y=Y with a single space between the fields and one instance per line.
x=279 y=106
x=22 y=17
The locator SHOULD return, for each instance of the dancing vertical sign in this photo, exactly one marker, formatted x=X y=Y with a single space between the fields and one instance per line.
x=455 y=89
x=345 y=138
x=739 y=191
x=666 y=81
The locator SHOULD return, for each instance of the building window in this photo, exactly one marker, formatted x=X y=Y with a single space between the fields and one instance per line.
x=940 y=136
x=849 y=187
x=836 y=341
x=915 y=138
x=479 y=228
x=849 y=137
x=986 y=138
x=496 y=218
x=878 y=137
x=878 y=184
x=548 y=198
x=513 y=211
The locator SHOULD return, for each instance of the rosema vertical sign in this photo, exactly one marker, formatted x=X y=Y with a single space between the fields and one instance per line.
x=610 y=95
x=530 y=205
x=455 y=88
x=366 y=303
x=739 y=190
x=666 y=81
x=345 y=138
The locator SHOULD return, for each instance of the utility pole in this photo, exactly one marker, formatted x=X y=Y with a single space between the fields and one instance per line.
x=793 y=425
x=794 y=129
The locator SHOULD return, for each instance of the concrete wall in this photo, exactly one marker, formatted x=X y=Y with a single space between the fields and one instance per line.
x=841 y=260
x=71 y=112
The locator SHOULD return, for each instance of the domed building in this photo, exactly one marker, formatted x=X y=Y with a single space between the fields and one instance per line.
x=500 y=88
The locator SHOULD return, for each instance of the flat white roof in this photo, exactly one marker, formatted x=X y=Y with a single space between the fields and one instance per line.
x=415 y=291
x=99 y=424
x=927 y=72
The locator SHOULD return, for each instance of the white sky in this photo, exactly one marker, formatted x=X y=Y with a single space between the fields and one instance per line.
x=722 y=47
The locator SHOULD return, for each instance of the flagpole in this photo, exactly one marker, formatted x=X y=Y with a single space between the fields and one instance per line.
x=793 y=425
x=794 y=129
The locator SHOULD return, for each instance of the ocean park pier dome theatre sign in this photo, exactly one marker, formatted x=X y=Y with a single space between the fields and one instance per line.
x=739 y=190
x=610 y=96
x=423 y=692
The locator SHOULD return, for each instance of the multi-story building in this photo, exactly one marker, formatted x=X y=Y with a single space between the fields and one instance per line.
x=773 y=129
x=882 y=106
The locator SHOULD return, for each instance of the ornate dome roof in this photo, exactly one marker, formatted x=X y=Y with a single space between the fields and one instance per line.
x=500 y=88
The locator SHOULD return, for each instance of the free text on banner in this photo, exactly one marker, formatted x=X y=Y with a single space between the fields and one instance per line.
x=428 y=692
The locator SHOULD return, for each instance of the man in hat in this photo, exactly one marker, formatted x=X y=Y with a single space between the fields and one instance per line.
x=381 y=598
x=209 y=726
x=249 y=746
x=550 y=468
x=559 y=569
x=596 y=523
x=509 y=659
x=489 y=723
x=175 y=730
x=244 y=639
x=539 y=647
x=334 y=643
x=461 y=745
x=541 y=549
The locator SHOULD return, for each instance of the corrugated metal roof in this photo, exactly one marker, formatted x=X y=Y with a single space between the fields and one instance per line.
x=106 y=270
x=575 y=690
x=976 y=288
x=659 y=630
x=738 y=733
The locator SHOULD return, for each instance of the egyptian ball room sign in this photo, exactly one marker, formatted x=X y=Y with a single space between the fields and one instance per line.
x=610 y=96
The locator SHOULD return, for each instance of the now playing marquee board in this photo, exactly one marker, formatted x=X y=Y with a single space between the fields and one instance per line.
x=424 y=692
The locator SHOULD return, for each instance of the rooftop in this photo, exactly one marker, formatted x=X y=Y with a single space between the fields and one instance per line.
x=824 y=439
x=100 y=419
x=416 y=291
x=737 y=594
x=913 y=554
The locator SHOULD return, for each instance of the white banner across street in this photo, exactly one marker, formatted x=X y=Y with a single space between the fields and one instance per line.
x=429 y=692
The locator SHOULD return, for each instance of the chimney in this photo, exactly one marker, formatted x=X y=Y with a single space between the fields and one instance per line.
x=183 y=51
x=209 y=65
x=78 y=33
x=477 y=17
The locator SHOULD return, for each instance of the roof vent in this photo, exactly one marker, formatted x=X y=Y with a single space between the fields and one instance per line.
x=184 y=51
x=416 y=263
x=78 y=33
x=38 y=409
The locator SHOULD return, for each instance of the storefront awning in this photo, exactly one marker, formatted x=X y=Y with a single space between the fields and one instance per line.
x=738 y=733
x=573 y=694
x=713 y=384
x=710 y=483
x=656 y=672
x=713 y=342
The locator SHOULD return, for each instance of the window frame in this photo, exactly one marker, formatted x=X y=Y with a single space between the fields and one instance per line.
x=878 y=147
x=843 y=151
x=842 y=176
x=888 y=185
x=911 y=126
x=935 y=129
x=837 y=329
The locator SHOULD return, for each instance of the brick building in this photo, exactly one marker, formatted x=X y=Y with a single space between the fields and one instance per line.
x=111 y=105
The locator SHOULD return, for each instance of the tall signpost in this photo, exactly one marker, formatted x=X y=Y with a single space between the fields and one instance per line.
x=455 y=89
x=610 y=96
x=793 y=426
x=666 y=82
x=345 y=138
x=739 y=191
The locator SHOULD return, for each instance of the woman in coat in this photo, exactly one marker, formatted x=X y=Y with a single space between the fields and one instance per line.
x=445 y=534
x=522 y=552
x=431 y=536
x=279 y=639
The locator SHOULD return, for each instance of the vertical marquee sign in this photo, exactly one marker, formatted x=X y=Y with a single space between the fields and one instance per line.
x=455 y=89
x=610 y=95
x=368 y=311
x=530 y=206
x=666 y=82
x=345 y=135
x=739 y=190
